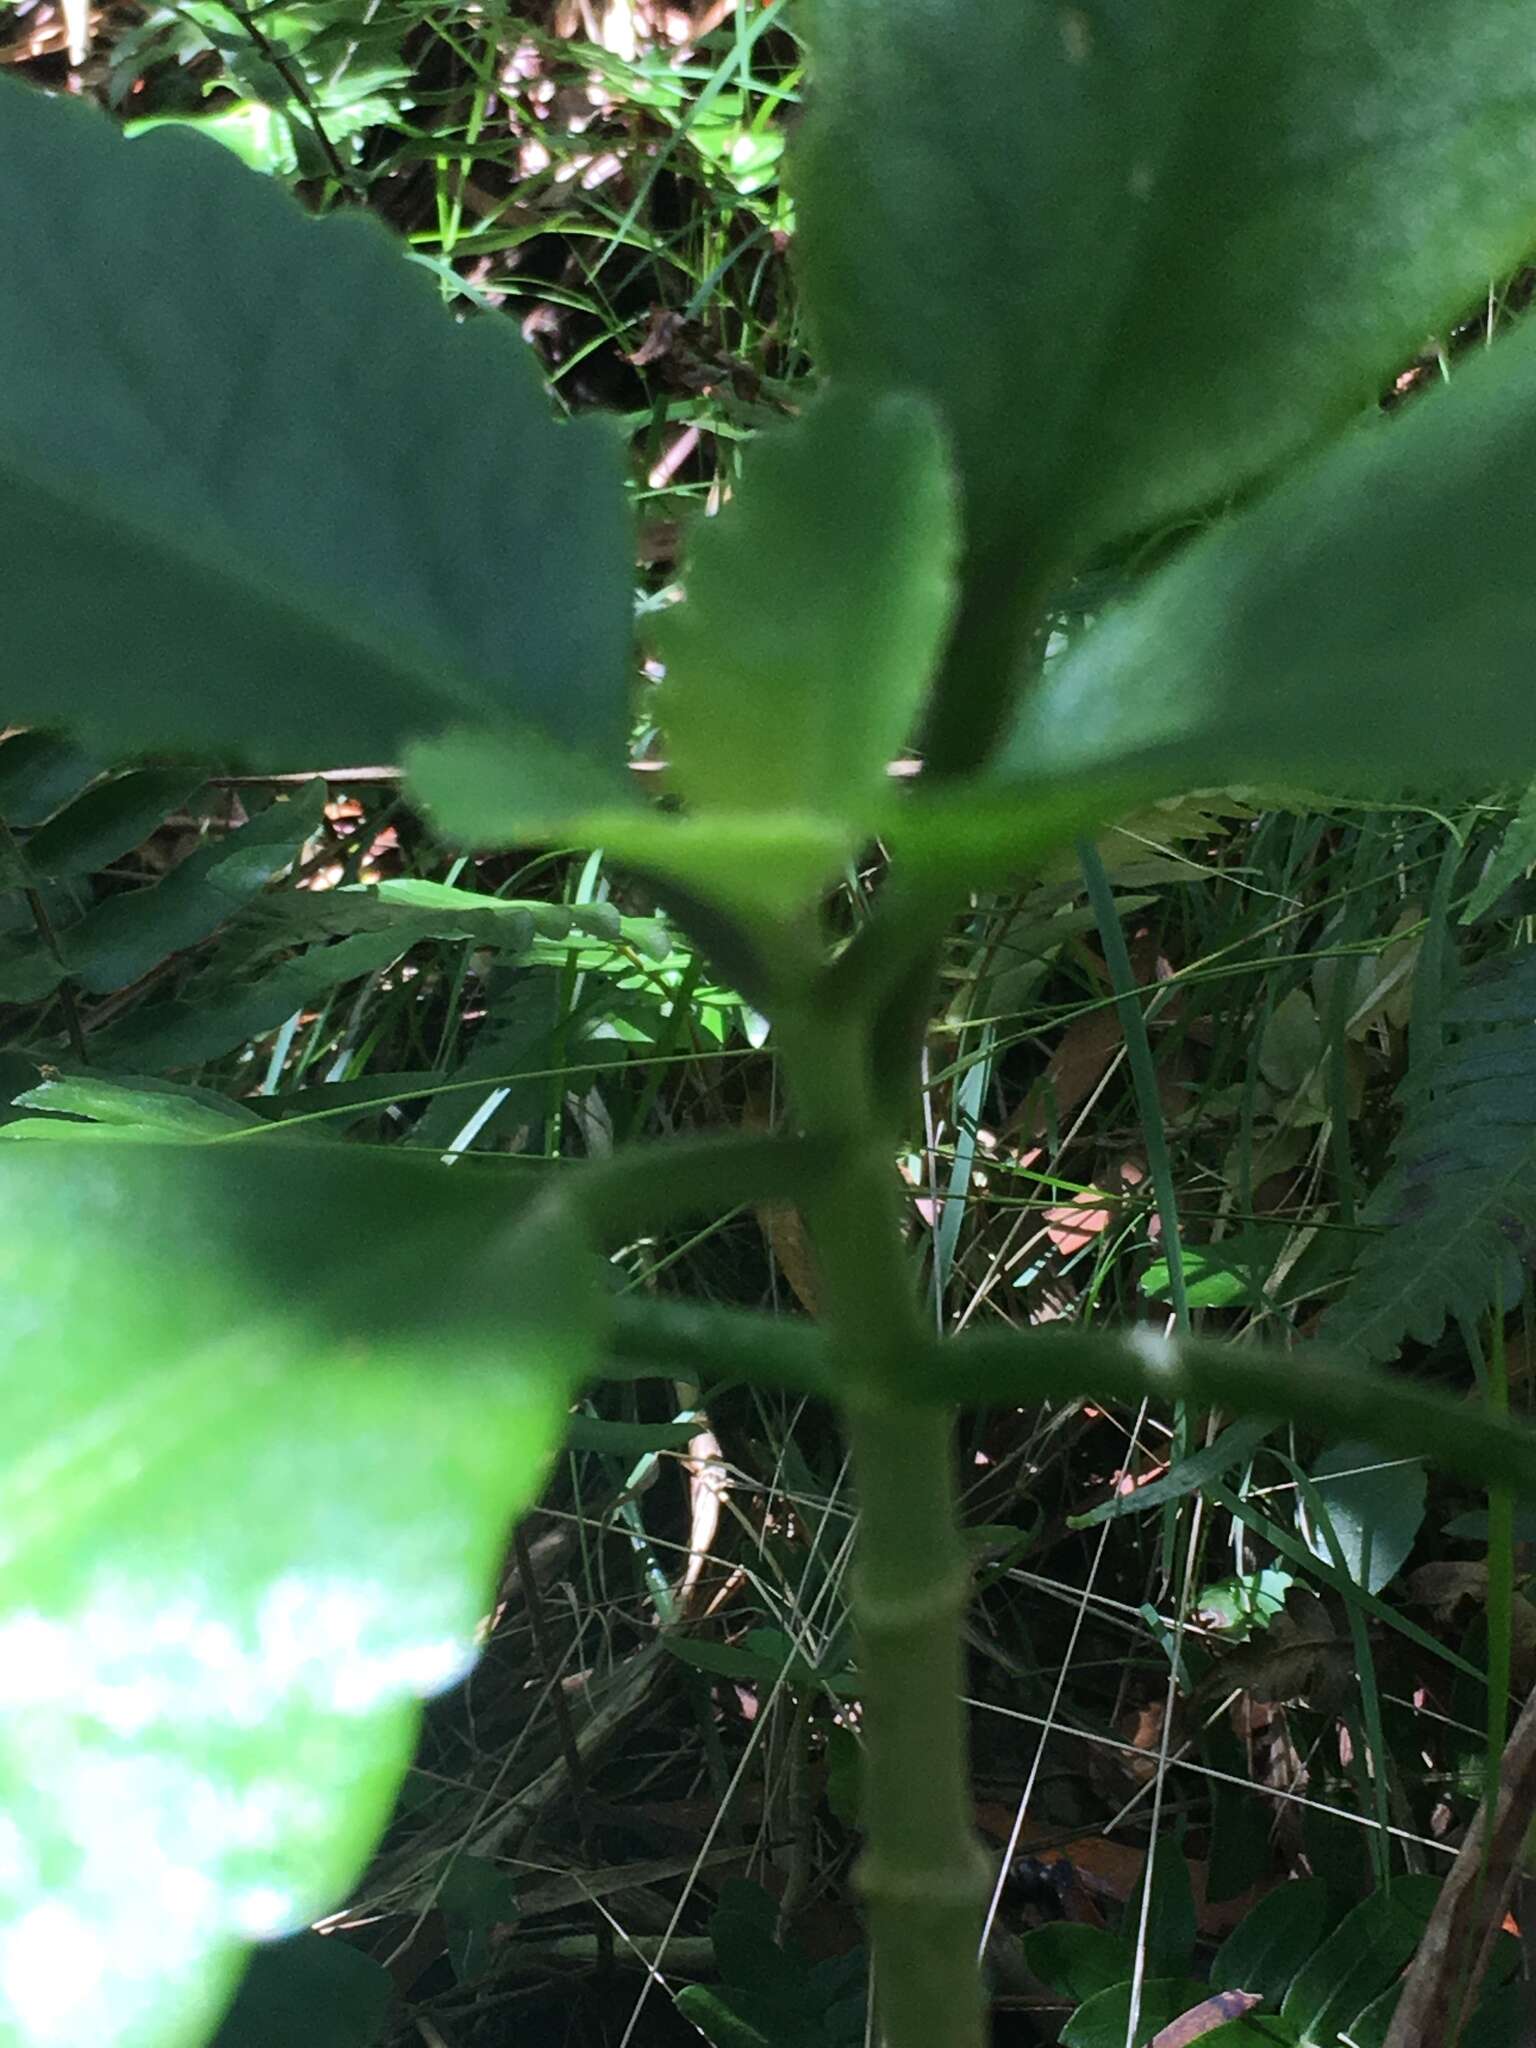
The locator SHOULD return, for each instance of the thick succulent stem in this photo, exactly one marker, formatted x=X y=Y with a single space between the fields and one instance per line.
x=923 y=1874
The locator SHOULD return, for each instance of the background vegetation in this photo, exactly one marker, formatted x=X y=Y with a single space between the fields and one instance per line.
x=1270 y=1071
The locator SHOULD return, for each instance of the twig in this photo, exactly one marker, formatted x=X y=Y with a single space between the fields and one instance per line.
x=300 y=90
x=1446 y=1976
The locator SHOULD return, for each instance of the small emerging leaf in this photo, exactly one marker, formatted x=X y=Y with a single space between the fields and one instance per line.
x=817 y=604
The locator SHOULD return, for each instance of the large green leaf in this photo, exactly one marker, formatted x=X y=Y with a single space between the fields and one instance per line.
x=1271 y=1943
x=1139 y=251
x=110 y=820
x=817 y=606
x=126 y=934
x=1359 y=1959
x=1367 y=629
x=760 y=868
x=258 y=493
x=266 y=1410
x=1077 y=1961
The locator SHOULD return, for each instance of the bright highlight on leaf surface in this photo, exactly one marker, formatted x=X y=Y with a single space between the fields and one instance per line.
x=266 y=1413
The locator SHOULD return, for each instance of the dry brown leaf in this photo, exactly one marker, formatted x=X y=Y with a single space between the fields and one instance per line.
x=1205 y=2018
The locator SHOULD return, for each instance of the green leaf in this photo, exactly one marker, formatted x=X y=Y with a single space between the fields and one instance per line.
x=1236 y=1442
x=266 y=1410
x=1510 y=859
x=715 y=2019
x=1359 y=1959
x=29 y=970
x=184 y=1034
x=475 y=1897
x=1218 y=1275
x=320 y=517
x=1171 y=1921
x=1103 y=2021
x=766 y=1658
x=107 y=822
x=817 y=604
x=1075 y=1961
x=1238 y=1605
x=312 y=1988
x=1270 y=1944
x=489 y=794
x=1503 y=2020
x=1374 y=1505
x=148 y=1110
x=124 y=936
x=1365 y=629
x=1457 y=1208
x=628 y=1439
x=760 y=870
x=1087 y=253
x=260 y=136
x=39 y=771
x=1369 y=2029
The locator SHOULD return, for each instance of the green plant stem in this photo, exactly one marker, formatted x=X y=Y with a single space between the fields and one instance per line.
x=1314 y=1388
x=1311 y=1387
x=922 y=1875
x=663 y=1339
x=647 y=1188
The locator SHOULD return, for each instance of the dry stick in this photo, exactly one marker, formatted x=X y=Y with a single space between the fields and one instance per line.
x=549 y=1662
x=294 y=81
x=544 y=1650
x=1447 y=1974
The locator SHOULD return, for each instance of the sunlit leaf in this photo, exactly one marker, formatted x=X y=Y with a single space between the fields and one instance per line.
x=266 y=1412
x=1374 y=1507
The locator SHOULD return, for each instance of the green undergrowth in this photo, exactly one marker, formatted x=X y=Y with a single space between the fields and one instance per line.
x=1262 y=1073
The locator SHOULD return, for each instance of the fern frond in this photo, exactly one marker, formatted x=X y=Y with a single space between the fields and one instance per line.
x=1456 y=1212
